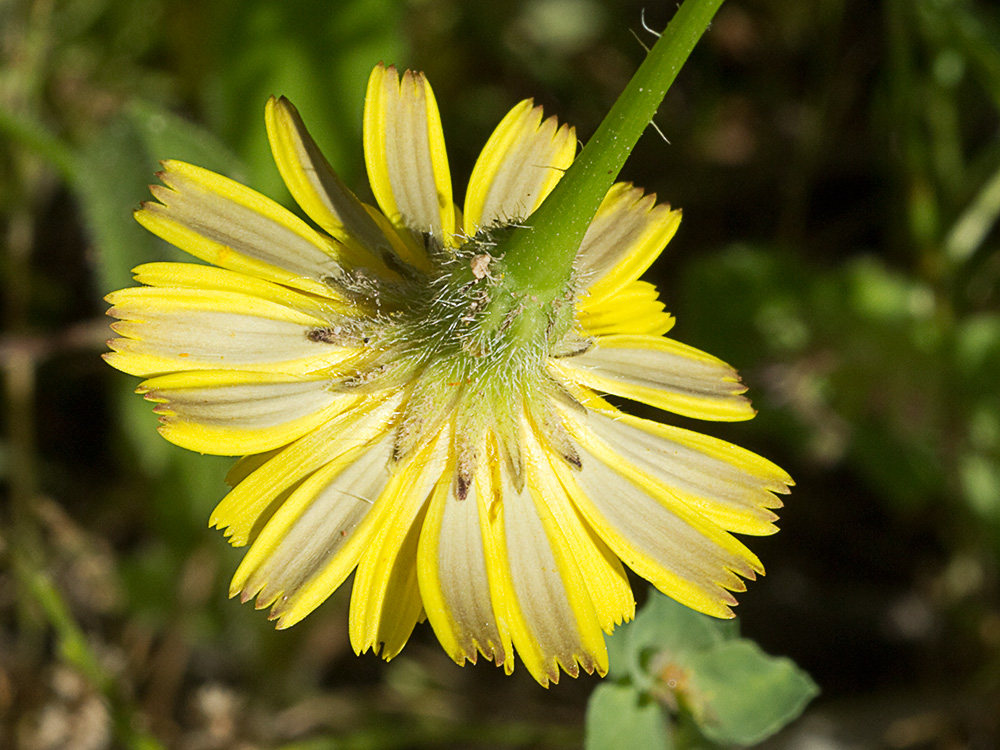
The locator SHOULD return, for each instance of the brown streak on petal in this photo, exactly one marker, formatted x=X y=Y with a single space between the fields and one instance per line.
x=573 y=458
x=462 y=485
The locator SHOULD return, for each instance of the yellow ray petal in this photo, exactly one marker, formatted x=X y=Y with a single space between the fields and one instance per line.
x=451 y=569
x=405 y=154
x=731 y=486
x=661 y=550
x=232 y=226
x=385 y=602
x=402 y=241
x=634 y=309
x=233 y=413
x=601 y=570
x=552 y=620
x=240 y=510
x=660 y=372
x=520 y=164
x=681 y=481
x=247 y=465
x=311 y=543
x=625 y=237
x=165 y=329
x=668 y=541
x=196 y=276
x=321 y=193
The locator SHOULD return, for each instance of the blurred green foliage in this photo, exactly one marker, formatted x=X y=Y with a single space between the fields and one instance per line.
x=838 y=162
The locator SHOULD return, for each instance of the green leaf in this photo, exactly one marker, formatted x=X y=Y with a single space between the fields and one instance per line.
x=662 y=626
x=113 y=173
x=112 y=176
x=741 y=695
x=619 y=718
x=167 y=136
x=681 y=628
x=698 y=666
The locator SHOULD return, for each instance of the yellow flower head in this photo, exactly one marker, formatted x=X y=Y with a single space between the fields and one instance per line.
x=404 y=414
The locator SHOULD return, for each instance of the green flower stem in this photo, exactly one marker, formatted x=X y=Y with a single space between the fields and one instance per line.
x=538 y=260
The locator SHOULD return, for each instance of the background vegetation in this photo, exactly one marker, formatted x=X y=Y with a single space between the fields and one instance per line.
x=838 y=163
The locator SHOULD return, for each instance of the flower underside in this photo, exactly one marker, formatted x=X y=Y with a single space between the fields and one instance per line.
x=409 y=412
x=462 y=345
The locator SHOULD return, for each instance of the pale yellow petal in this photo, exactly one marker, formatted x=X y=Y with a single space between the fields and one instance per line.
x=451 y=569
x=241 y=511
x=403 y=243
x=313 y=541
x=552 y=620
x=405 y=154
x=197 y=276
x=728 y=485
x=385 y=601
x=625 y=237
x=165 y=329
x=247 y=465
x=229 y=225
x=321 y=193
x=634 y=309
x=601 y=570
x=660 y=372
x=520 y=164
x=665 y=540
x=233 y=413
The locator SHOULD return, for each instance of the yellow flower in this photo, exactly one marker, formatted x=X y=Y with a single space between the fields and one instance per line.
x=404 y=414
